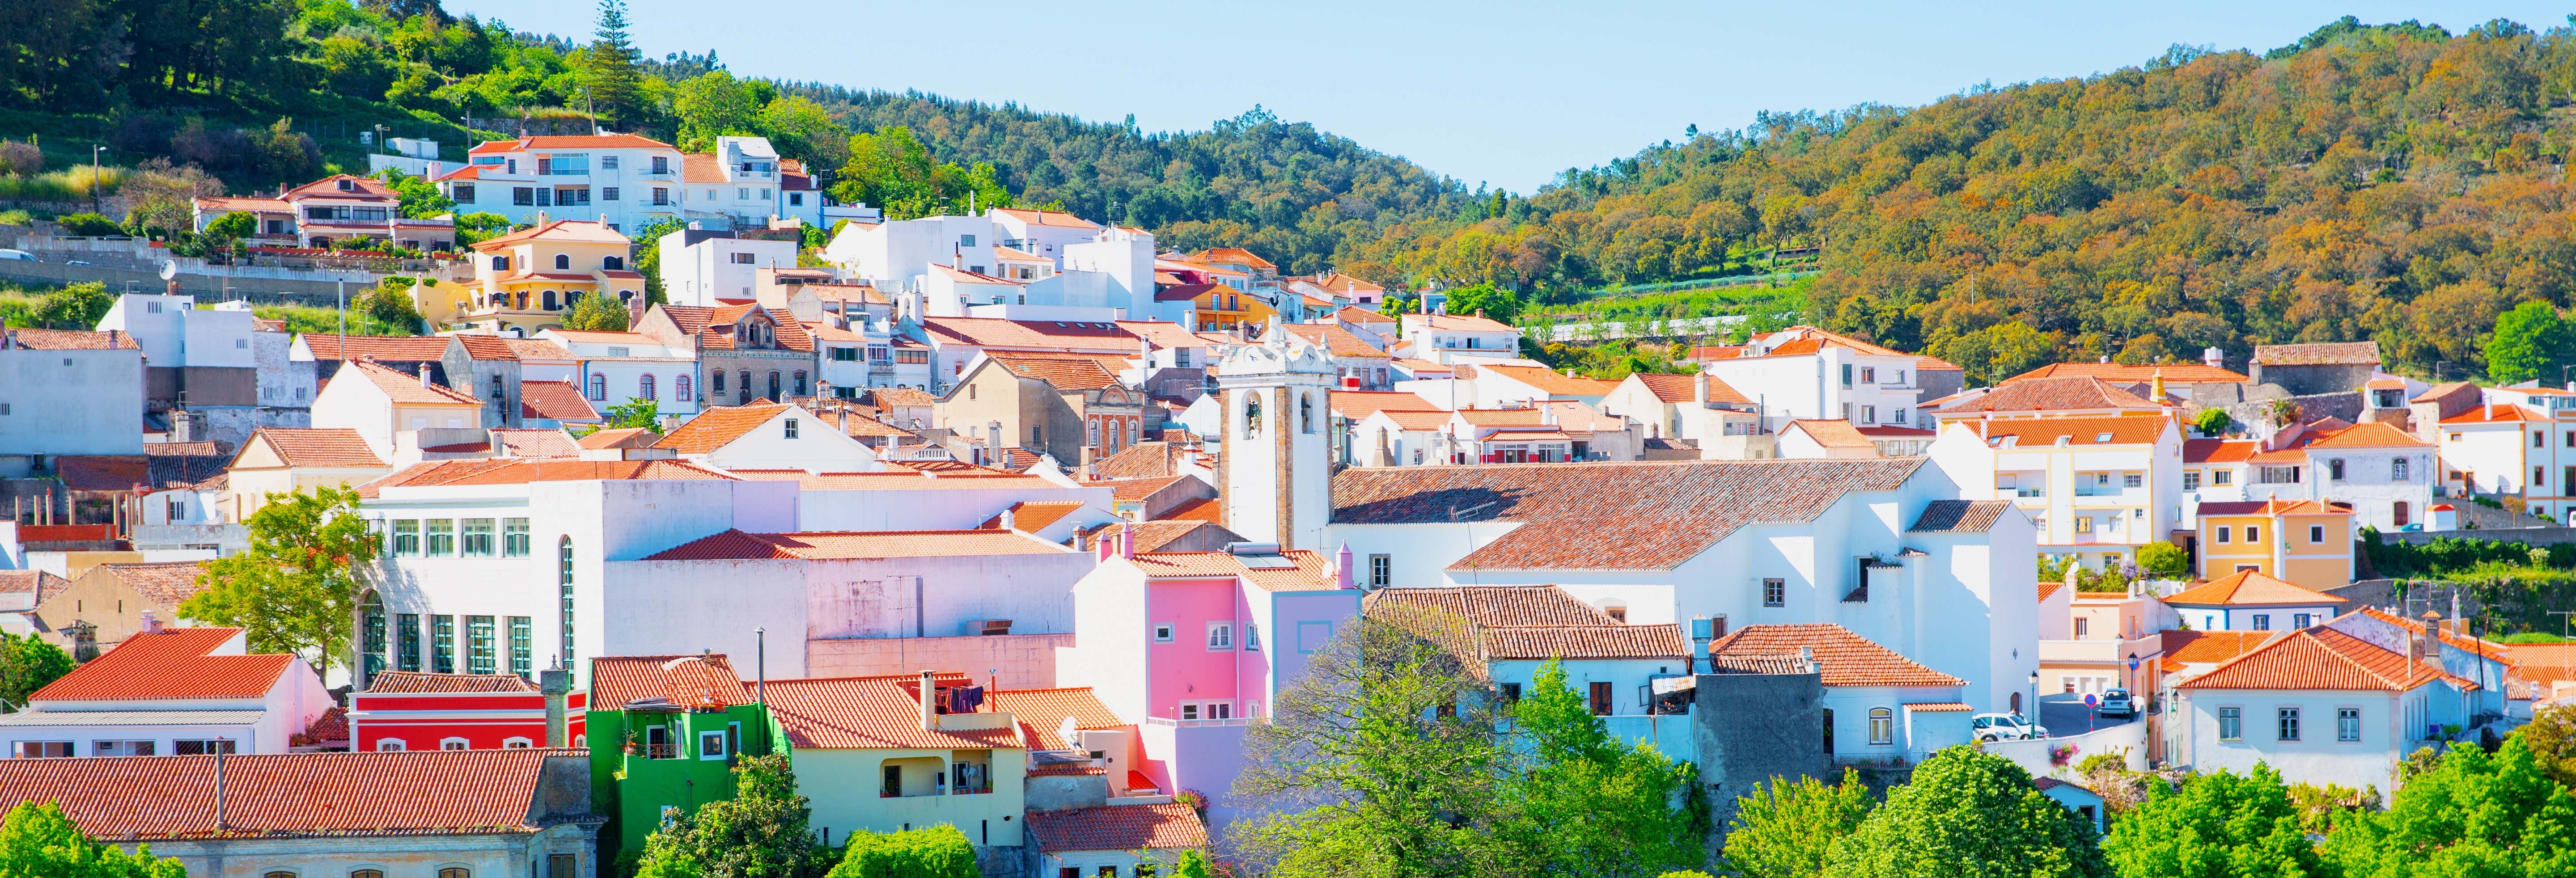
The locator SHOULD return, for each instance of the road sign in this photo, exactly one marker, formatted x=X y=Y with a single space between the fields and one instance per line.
x=2091 y=700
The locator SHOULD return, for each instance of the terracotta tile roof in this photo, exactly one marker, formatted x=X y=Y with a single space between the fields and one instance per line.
x=1586 y=642
x=1336 y=340
x=181 y=449
x=1783 y=663
x=1311 y=571
x=1498 y=605
x=1200 y=509
x=1031 y=516
x=1132 y=490
x=1141 y=460
x=1357 y=405
x=1453 y=323
x=537 y=443
x=72 y=340
x=871 y=713
x=1043 y=712
x=2370 y=435
x=1884 y=431
x=2053 y=395
x=407 y=682
x=707 y=678
x=173 y=664
x=1058 y=335
x=1941 y=707
x=1667 y=512
x=718 y=427
x=588 y=336
x=620 y=437
x=902 y=396
x=65 y=533
x=332 y=727
x=1169 y=826
x=2175 y=373
x=2046 y=589
x=165 y=582
x=2207 y=647
x=1062 y=373
x=536 y=349
x=1960 y=516
x=1520 y=417
x=713 y=325
x=1703 y=353
x=2346 y=353
x=2323 y=658
x=1163 y=333
x=1047 y=218
x=1835 y=434
x=1154 y=536
x=102 y=473
x=833 y=545
x=2486 y=649
x=1337 y=282
x=1551 y=381
x=2246 y=588
x=1848 y=659
x=1682 y=388
x=42 y=586
x=1230 y=256
x=521 y=471
x=585 y=231
x=292 y=795
x=402 y=387
x=2495 y=413
x=1422 y=367
x=2042 y=432
x=489 y=347
x=2436 y=392
x=387 y=348
x=867 y=428
x=1353 y=314
x=2218 y=450
x=1065 y=769
x=554 y=401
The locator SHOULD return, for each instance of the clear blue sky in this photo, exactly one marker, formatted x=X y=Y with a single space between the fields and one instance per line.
x=1503 y=92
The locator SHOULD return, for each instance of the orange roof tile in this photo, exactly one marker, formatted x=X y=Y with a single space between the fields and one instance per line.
x=2208 y=647
x=1200 y=509
x=1835 y=434
x=1047 y=217
x=163 y=582
x=1357 y=405
x=293 y=795
x=2218 y=450
x=2050 y=589
x=2342 y=353
x=1062 y=373
x=871 y=713
x=403 y=388
x=1498 y=605
x=1048 y=335
x=409 y=682
x=1311 y=571
x=2323 y=658
x=1044 y=711
x=173 y=664
x=718 y=427
x=704 y=679
x=1684 y=388
x=534 y=442
x=1354 y=314
x=1031 y=516
x=586 y=231
x=1551 y=381
x=521 y=471
x=2174 y=373
x=72 y=340
x=388 y=348
x=2249 y=588
x=2054 y=395
x=1230 y=256
x=1847 y=659
x=1336 y=340
x=621 y=437
x=1585 y=642
x=2497 y=413
x=1141 y=460
x=554 y=401
x=2484 y=648
x=836 y=545
x=1122 y=828
x=2370 y=435
x=2039 y=432
x=41 y=584
x=1960 y=516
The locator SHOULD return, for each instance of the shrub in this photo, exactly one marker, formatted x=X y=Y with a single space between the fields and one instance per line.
x=21 y=158
x=934 y=852
x=89 y=225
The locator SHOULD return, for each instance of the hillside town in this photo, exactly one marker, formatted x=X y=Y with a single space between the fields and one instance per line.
x=602 y=571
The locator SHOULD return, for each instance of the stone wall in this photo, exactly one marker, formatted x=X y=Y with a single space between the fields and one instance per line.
x=1752 y=727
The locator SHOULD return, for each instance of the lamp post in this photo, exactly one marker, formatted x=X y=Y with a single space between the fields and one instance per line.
x=93 y=177
x=2034 y=697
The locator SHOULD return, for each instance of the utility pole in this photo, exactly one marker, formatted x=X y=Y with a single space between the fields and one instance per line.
x=344 y=321
x=93 y=177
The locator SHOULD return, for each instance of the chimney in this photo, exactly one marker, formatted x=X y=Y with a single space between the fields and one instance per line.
x=1807 y=659
x=2213 y=358
x=1342 y=566
x=556 y=683
x=424 y=374
x=1127 y=540
x=2428 y=646
x=1010 y=521
x=1699 y=389
x=111 y=339
x=151 y=625
x=1350 y=382
x=992 y=442
x=929 y=693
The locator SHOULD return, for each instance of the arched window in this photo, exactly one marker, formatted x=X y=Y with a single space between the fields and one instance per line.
x=613 y=263
x=550 y=301
x=389 y=745
x=563 y=582
x=497 y=392
x=2397 y=469
x=598 y=387
x=800 y=382
x=644 y=386
x=1305 y=413
x=1882 y=726
x=680 y=388
x=455 y=872
x=773 y=386
x=516 y=743
x=453 y=743
x=563 y=262
x=1094 y=433
x=715 y=381
x=1251 y=414
x=366 y=873
x=2334 y=469
x=281 y=873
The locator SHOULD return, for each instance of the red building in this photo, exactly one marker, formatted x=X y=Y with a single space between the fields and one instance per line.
x=410 y=710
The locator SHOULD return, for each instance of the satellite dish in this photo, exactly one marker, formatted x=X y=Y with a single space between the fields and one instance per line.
x=169 y=269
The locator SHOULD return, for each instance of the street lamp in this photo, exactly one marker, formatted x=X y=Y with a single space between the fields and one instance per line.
x=2034 y=695
x=93 y=177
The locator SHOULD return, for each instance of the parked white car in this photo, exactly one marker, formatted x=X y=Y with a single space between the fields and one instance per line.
x=2004 y=727
x=2118 y=702
x=19 y=256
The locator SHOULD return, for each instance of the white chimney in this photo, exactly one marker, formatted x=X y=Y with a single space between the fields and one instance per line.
x=151 y=624
x=1699 y=389
x=2213 y=358
x=929 y=693
x=424 y=375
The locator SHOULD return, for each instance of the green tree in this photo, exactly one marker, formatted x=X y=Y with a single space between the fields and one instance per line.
x=1496 y=304
x=474 y=228
x=38 y=841
x=296 y=587
x=801 y=129
x=1586 y=803
x=415 y=197
x=2529 y=342
x=2164 y=559
x=2213 y=421
x=389 y=304
x=1786 y=830
x=635 y=412
x=74 y=306
x=714 y=105
x=2222 y=825
x=2551 y=738
x=1194 y=864
x=28 y=663
x=609 y=70
x=1380 y=761
x=1969 y=814
x=88 y=225
x=931 y=852
x=231 y=227
x=764 y=831
x=596 y=312
x=2472 y=814
x=648 y=255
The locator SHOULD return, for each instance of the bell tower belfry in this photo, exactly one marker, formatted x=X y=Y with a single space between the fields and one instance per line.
x=1276 y=396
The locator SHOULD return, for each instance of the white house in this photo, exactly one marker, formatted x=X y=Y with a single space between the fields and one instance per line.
x=613 y=367
x=1614 y=666
x=2321 y=706
x=170 y=692
x=2383 y=475
x=382 y=404
x=769 y=436
x=902 y=499
x=2099 y=487
x=623 y=180
x=1443 y=338
x=70 y=392
x=1107 y=839
x=2247 y=600
x=1804 y=373
x=1879 y=706
x=700 y=266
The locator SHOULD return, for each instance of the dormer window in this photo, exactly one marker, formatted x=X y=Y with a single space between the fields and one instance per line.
x=347 y=185
x=2102 y=439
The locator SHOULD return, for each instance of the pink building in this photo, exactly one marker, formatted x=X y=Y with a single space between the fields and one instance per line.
x=1194 y=644
x=411 y=710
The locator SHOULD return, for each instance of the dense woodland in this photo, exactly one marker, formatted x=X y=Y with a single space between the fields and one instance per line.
x=2396 y=182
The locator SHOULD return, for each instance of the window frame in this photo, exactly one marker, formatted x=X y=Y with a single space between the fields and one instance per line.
x=1775 y=591
x=2347 y=725
x=1220 y=636
x=2231 y=723
x=2286 y=724
x=1882 y=727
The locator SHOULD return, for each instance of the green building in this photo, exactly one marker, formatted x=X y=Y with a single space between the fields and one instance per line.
x=664 y=735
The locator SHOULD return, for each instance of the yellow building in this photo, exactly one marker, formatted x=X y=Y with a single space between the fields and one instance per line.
x=528 y=280
x=2303 y=542
x=1216 y=306
x=284 y=460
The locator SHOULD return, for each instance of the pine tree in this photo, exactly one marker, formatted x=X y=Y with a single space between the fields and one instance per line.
x=611 y=76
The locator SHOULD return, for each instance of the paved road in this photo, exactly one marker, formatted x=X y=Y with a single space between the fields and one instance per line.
x=2070 y=718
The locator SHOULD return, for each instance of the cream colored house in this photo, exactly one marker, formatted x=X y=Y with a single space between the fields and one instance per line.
x=283 y=460
x=381 y=403
x=528 y=280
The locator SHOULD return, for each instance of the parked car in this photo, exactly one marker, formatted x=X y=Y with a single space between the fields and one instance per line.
x=19 y=255
x=2003 y=727
x=75 y=262
x=2118 y=702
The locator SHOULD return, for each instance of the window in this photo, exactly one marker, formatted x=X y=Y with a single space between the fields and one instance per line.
x=407 y=642
x=2191 y=480
x=557 y=866
x=680 y=388
x=522 y=646
x=371 y=621
x=1882 y=726
x=2398 y=471
x=741 y=258
x=2262 y=621
x=800 y=382
x=517 y=743
x=389 y=745
x=2222 y=477
x=2289 y=719
x=1869 y=414
x=461 y=193
x=1847 y=374
x=481 y=653
x=1868 y=374
x=477 y=538
x=2316 y=533
x=366 y=873
x=661 y=196
x=1600 y=700
x=2347 y=724
x=2302 y=620
x=2398 y=513
x=514 y=538
x=2231 y=724
x=1220 y=635
x=455 y=872
x=1511 y=691
x=563 y=262
x=563 y=582
x=1251 y=636
x=711 y=745
x=2083 y=626
x=1382 y=567
x=1617 y=614
x=2334 y=470
x=406 y=533
x=790 y=425
x=2084 y=524
x=120 y=748
x=2253 y=534
x=644 y=387
x=1163 y=632
x=1775 y=592
x=204 y=747
x=439 y=537
x=608 y=193
x=2133 y=480
x=177 y=510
